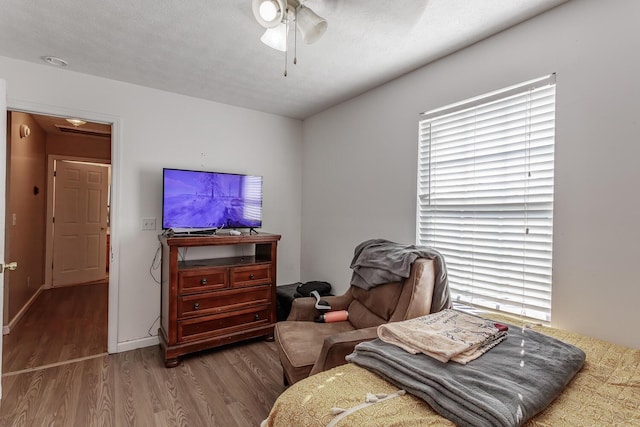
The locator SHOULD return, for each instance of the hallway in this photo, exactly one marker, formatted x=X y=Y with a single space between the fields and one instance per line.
x=63 y=324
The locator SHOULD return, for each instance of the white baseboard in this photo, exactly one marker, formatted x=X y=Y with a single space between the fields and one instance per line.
x=139 y=343
x=6 y=329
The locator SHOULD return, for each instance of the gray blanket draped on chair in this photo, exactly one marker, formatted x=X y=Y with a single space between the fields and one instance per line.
x=379 y=261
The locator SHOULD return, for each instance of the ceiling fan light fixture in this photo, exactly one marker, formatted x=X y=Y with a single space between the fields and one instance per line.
x=276 y=38
x=76 y=122
x=268 y=10
x=311 y=26
x=269 y=13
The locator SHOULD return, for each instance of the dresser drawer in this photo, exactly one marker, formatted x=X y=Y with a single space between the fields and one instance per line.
x=202 y=280
x=250 y=275
x=223 y=323
x=226 y=300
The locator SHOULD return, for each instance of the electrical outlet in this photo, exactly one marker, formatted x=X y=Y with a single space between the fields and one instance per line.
x=148 y=223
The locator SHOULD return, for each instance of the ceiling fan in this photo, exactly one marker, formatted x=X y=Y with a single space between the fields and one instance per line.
x=278 y=15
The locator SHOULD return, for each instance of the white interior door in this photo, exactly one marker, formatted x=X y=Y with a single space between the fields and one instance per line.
x=80 y=223
x=3 y=188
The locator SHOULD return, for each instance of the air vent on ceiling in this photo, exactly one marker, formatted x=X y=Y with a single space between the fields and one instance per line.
x=85 y=132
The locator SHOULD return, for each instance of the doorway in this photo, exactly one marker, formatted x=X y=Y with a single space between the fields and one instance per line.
x=60 y=324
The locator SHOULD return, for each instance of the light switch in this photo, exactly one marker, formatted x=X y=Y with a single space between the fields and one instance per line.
x=13 y=219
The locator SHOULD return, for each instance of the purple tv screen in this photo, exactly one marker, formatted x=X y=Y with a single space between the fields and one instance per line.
x=199 y=199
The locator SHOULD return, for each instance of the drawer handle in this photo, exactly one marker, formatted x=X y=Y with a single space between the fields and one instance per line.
x=203 y=281
x=256 y=317
x=196 y=306
x=251 y=276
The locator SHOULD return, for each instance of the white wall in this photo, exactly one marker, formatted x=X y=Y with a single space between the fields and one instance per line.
x=160 y=129
x=360 y=158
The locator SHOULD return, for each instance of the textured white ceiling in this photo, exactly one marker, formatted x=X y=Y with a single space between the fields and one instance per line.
x=211 y=49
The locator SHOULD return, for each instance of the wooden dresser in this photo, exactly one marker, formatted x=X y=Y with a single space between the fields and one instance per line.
x=210 y=302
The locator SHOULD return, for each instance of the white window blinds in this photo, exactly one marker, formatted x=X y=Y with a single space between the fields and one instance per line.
x=485 y=196
x=253 y=196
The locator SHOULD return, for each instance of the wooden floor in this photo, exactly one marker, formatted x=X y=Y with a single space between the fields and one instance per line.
x=232 y=386
x=229 y=386
x=62 y=324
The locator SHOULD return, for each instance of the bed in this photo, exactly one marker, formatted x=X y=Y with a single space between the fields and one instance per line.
x=606 y=391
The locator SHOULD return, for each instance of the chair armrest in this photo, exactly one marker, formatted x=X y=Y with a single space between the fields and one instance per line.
x=305 y=308
x=336 y=347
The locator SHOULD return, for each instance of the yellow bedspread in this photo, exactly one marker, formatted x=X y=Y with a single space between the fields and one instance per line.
x=605 y=392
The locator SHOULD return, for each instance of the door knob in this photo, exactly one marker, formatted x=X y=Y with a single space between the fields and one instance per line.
x=11 y=266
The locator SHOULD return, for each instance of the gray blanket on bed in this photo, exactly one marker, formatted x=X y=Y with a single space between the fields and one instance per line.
x=505 y=387
x=379 y=261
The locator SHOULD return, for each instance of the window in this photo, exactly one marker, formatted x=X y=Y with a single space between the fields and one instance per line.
x=485 y=196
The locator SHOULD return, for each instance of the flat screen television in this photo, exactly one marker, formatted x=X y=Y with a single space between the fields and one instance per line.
x=210 y=200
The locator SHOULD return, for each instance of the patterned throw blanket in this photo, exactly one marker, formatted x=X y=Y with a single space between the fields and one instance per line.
x=505 y=387
x=446 y=335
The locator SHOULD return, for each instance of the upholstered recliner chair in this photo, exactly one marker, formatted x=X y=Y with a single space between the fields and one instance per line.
x=306 y=347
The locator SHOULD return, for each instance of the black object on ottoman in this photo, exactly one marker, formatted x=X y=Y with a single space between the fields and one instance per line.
x=285 y=294
x=284 y=299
